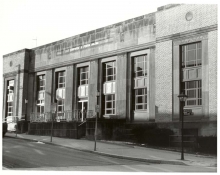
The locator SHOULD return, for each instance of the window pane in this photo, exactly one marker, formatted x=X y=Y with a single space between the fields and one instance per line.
x=61 y=79
x=110 y=78
x=139 y=91
x=110 y=71
x=109 y=105
x=191 y=46
x=108 y=97
x=109 y=112
x=109 y=65
x=190 y=84
x=191 y=56
x=42 y=109
x=140 y=66
x=140 y=99
x=84 y=82
x=83 y=76
x=62 y=74
x=139 y=106
x=59 y=108
x=191 y=93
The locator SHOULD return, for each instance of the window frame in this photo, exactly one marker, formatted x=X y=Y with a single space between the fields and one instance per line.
x=185 y=55
x=62 y=108
x=86 y=72
x=59 y=76
x=143 y=95
x=198 y=93
x=10 y=82
x=136 y=60
x=112 y=101
x=39 y=86
x=41 y=106
x=106 y=73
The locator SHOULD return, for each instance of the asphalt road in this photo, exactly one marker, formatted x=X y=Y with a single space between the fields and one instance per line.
x=31 y=155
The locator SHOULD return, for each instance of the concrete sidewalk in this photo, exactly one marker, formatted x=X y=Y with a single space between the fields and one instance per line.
x=124 y=151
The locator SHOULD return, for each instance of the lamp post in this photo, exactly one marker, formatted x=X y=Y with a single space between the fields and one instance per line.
x=182 y=97
x=97 y=113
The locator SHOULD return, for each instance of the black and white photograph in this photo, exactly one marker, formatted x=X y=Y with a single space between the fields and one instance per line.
x=108 y=86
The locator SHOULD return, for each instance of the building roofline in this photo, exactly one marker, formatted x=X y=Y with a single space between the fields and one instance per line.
x=165 y=7
x=16 y=52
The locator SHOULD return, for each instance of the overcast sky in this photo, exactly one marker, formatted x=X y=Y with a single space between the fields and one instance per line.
x=22 y=21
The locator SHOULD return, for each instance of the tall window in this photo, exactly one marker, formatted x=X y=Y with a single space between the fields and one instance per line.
x=141 y=99
x=191 y=55
x=109 y=72
x=40 y=88
x=83 y=75
x=110 y=104
x=10 y=109
x=41 y=82
x=194 y=92
x=61 y=80
x=40 y=107
x=140 y=66
x=140 y=74
x=10 y=98
x=60 y=108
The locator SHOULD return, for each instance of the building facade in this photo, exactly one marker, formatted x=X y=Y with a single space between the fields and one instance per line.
x=134 y=70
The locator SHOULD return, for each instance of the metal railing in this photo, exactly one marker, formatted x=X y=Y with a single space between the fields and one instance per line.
x=68 y=116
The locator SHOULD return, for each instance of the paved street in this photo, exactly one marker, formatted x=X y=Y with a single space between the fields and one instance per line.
x=21 y=154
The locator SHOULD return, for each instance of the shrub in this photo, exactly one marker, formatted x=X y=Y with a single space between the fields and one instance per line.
x=207 y=144
x=152 y=135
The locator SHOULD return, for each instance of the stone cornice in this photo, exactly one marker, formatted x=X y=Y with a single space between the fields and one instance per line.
x=97 y=56
x=189 y=33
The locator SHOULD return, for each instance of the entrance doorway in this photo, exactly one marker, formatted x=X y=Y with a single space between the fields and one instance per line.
x=82 y=106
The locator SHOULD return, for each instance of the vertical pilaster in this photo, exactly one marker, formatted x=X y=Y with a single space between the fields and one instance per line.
x=121 y=88
x=69 y=89
x=176 y=82
x=151 y=85
x=93 y=84
x=30 y=105
x=75 y=96
x=205 y=78
x=24 y=94
x=48 y=90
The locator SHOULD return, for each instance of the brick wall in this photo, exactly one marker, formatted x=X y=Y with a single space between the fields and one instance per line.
x=172 y=21
x=15 y=59
x=163 y=81
x=212 y=54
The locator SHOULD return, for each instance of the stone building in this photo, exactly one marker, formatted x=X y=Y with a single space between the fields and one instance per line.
x=134 y=70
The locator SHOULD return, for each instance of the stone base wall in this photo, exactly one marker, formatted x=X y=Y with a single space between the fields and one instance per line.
x=61 y=129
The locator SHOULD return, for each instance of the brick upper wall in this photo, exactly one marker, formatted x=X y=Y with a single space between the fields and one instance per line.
x=212 y=54
x=172 y=21
x=11 y=62
x=163 y=81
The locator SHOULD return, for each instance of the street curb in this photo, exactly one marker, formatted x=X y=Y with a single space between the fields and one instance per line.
x=111 y=155
x=156 y=148
x=142 y=159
